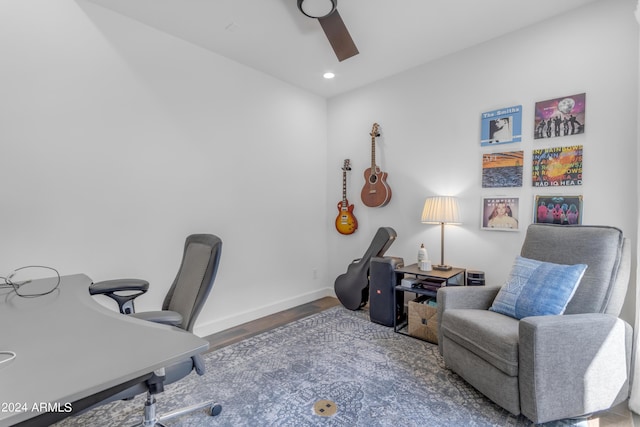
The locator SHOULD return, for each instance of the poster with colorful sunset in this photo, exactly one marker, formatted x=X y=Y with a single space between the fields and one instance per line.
x=558 y=166
x=502 y=169
x=560 y=116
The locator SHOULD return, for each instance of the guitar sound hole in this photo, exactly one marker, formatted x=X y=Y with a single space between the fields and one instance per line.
x=373 y=179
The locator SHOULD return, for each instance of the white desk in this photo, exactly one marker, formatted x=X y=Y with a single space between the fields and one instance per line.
x=68 y=348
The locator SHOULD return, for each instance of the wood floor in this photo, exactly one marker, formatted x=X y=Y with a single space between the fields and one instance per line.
x=620 y=416
x=247 y=330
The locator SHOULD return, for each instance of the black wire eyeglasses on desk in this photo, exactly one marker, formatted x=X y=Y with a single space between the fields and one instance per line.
x=32 y=281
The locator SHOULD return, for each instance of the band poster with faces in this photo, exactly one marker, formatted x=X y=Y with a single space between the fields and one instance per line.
x=500 y=213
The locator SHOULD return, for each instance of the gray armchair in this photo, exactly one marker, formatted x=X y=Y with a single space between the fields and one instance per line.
x=554 y=366
x=180 y=308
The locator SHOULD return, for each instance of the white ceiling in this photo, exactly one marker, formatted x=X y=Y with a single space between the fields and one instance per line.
x=392 y=36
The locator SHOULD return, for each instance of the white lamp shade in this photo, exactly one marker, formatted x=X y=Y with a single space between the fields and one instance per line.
x=441 y=209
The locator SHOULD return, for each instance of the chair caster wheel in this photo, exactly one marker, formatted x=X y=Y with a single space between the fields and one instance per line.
x=215 y=410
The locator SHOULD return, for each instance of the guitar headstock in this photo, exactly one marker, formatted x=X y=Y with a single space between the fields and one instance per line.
x=347 y=165
x=375 y=130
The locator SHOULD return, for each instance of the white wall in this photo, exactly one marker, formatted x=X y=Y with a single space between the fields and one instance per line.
x=117 y=141
x=430 y=122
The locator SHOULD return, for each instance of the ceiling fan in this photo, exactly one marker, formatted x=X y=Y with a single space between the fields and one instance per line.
x=325 y=11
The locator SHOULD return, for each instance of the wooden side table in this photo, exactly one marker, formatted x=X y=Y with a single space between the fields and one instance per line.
x=432 y=280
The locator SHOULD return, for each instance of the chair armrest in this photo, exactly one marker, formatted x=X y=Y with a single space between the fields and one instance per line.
x=473 y=297
x=117 y=285
x=570 y=365
x=132 y=289
x=164 y=317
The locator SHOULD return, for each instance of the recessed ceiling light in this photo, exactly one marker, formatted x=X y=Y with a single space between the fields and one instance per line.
x=328 y=75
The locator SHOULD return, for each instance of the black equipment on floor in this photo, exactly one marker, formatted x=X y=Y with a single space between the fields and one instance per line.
x=382 y=282
x=352 y=287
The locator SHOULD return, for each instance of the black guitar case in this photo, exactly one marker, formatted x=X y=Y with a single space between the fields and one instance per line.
x=352 y=287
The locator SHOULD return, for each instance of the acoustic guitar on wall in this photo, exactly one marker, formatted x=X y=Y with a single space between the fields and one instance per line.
x=346 y=222
x=376 y=192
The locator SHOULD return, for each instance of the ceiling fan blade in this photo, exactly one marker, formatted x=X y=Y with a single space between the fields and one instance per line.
x=338 y=36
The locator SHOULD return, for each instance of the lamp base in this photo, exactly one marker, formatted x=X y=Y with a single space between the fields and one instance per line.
x=442 y=267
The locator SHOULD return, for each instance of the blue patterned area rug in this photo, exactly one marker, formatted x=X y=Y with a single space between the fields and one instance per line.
x=335 y=368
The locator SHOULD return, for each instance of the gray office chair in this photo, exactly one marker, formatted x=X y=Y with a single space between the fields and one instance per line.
x=180 y=308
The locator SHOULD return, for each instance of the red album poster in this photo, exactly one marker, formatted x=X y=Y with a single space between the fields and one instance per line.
x=559 y=166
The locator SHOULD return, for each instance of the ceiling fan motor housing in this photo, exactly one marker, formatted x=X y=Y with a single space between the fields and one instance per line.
x=317 y=8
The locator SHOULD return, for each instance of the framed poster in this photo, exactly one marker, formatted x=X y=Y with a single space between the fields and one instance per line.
x=564 y=210
x=559 y=166
x=501 y=126
x=500 y=213
x=560 y=116
x=502 y=169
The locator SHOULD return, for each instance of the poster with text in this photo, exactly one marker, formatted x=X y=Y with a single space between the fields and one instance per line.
x=500 y=213
x=502 y=169
x=559 y=166
x=563 y=210
x=501 y=126
x=560 y=116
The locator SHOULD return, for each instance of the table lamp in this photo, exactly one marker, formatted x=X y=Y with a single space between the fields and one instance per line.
x=441 y=210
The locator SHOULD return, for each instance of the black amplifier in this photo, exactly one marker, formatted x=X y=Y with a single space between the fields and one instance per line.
x=475 y=278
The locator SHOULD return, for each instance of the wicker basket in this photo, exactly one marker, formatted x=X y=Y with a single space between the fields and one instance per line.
x=423 y=320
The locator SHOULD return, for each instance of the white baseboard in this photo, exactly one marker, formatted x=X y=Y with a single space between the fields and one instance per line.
x=218 y=325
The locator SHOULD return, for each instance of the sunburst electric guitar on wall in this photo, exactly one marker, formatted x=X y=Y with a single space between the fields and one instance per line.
x=376 y=192
x=346 y=222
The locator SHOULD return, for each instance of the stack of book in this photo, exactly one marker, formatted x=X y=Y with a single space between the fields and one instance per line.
x=429 y=284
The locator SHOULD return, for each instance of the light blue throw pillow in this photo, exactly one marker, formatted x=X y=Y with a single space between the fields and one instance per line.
x=536 y=288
